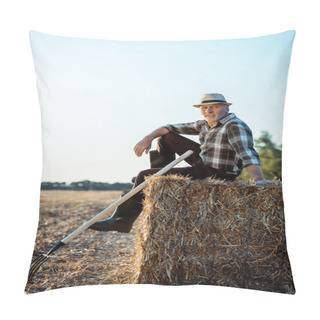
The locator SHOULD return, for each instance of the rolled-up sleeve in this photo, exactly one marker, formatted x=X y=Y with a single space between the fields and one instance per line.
x=192 y=128
x=241 y=141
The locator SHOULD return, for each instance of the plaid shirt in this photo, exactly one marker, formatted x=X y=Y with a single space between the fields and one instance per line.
x=227 y=146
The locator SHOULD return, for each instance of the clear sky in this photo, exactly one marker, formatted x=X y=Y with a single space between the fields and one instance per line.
x=99 y=98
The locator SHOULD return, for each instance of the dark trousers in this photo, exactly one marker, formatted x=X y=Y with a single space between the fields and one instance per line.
x=172 y=143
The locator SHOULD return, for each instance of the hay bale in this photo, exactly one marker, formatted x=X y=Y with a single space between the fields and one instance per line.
x=212 y=232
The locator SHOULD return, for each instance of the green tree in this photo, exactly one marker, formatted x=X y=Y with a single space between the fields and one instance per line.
x=270 y=155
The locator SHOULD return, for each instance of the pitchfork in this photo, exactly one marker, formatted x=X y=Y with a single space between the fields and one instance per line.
x=42 y=258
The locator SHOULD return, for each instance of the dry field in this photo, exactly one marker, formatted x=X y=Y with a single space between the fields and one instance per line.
x=92 y=257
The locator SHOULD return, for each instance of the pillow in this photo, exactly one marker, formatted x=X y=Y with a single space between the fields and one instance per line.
x=98 y=99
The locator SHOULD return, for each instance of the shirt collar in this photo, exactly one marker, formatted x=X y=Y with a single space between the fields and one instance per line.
x=227 y=118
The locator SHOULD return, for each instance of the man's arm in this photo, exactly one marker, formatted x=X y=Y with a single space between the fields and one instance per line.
x=192 y=128
x=242 y=142
x=145 y=143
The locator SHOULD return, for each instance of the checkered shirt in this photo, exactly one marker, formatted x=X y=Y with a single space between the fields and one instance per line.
x=227 y=146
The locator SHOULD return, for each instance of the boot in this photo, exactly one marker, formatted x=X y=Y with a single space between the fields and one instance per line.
x=122 y=218
x=159 y=160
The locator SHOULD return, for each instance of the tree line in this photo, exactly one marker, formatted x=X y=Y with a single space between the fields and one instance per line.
x=85 y=185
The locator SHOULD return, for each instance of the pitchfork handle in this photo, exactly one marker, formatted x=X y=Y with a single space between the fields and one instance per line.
x=124 y=198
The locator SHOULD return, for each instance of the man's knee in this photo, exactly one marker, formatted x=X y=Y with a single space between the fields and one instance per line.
x=169 y=136
x=167 y=139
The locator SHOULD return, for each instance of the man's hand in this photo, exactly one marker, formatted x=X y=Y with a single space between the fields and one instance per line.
x=256 y=173
x=143 y=145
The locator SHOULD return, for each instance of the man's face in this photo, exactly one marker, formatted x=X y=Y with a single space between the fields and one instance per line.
x=214 y=112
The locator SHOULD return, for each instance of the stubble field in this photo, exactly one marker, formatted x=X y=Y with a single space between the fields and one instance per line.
x=92 y=257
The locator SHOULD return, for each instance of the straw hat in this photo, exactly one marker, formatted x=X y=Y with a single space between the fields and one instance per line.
x=212 y=98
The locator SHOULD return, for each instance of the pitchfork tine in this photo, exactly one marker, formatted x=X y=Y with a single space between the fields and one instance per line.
x=36 y=264
x=41 y=259
x=38 y=261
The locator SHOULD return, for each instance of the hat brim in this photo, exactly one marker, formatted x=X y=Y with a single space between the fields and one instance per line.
x=210 y=103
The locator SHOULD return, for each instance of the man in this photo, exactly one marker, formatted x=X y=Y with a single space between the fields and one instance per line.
x=226 y=147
